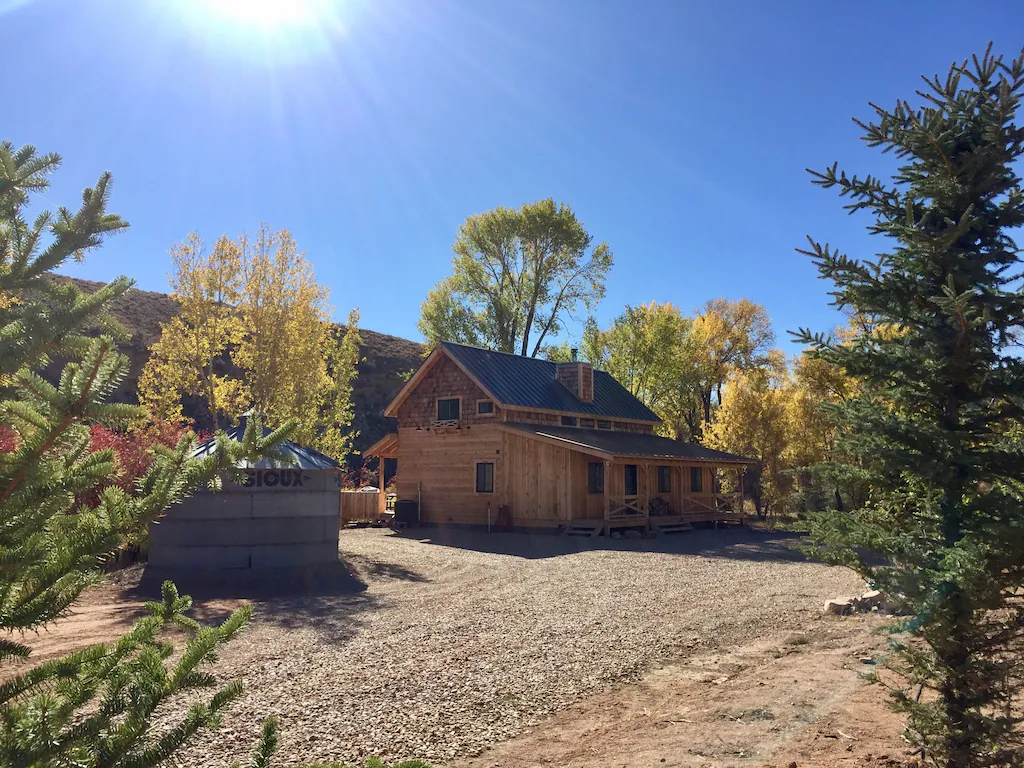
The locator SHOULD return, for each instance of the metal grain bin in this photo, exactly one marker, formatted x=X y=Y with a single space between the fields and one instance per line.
x=283 y=515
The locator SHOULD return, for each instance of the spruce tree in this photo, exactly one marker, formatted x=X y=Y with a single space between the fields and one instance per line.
x=938 y=423
x=95 y=707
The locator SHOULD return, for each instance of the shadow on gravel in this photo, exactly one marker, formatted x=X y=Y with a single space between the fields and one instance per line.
x=327 y=599
x=732 y=543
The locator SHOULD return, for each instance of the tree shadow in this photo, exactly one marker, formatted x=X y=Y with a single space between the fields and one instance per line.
x=732 y=542
x=377 y=570
x=328 y=599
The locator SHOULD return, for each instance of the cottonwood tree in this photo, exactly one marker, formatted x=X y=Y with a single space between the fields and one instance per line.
x=752 y=421
x=937 y=420
x=647 y=349
x=728 y=336
x=678 y=365
x=254 y=332
x=517 y=276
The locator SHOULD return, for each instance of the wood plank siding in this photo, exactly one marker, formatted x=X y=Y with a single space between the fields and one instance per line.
x=541 y=475
x=544 y=485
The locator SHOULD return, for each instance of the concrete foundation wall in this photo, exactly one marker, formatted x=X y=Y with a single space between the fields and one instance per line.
x=278 y=518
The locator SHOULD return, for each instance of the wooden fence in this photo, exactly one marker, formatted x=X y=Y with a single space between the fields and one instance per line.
x=357 y=505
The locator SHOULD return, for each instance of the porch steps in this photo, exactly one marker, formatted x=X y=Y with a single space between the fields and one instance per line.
x=672 y=527
x=584 y=528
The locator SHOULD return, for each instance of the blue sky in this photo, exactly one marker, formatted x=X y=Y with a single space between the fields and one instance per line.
x=678 y=131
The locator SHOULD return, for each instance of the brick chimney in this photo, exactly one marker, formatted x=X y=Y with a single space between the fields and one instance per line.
x=578 y=378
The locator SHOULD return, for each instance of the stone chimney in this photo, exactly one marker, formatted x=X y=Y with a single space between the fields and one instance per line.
x=578 y=378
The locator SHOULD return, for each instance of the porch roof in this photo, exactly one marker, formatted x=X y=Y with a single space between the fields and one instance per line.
x=608 y=443
x=385 y=448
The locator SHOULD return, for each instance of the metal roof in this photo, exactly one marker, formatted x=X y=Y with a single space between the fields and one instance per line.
x=629 y=444
x=530 y=383
x=294 y=456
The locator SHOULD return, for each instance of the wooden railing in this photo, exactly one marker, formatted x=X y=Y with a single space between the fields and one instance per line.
x=708 y=502
x=626 y=507
x=693 y=503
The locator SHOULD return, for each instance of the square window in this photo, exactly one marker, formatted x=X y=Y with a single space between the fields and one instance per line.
x=664 y=479
x=485 y=406
x=696 y=480
x=629 y=478
x=448 y=409
x=595 y=477
x=485 y=477
x=587 y=423
x=568 y=421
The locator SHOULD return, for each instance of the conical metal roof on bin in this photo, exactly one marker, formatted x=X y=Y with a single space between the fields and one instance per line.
x=293 y=455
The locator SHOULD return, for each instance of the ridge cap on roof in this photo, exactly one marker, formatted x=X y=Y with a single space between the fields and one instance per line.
x=516 y=354
x=495 y=351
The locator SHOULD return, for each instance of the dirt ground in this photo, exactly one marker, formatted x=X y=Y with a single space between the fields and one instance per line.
x=509 y=651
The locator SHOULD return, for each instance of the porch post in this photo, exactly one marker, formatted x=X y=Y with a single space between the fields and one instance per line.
x=647 y=488
x=382 y=501
x=739 y=489
x=607 y=479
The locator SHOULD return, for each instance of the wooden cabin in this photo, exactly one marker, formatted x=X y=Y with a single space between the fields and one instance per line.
x=487 y=438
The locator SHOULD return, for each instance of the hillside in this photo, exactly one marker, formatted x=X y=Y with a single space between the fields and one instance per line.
x=385 y=358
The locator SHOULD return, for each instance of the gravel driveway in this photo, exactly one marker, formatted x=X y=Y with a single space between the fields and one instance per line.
x=444 y=644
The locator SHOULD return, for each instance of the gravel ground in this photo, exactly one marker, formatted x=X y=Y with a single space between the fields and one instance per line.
x=440 y=646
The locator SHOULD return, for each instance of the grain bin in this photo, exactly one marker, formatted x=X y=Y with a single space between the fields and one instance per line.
x=284 y=514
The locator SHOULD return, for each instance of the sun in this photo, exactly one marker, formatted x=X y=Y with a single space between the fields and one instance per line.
x=272 y=14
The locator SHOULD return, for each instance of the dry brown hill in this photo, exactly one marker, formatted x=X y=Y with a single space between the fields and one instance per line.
x=385 y=358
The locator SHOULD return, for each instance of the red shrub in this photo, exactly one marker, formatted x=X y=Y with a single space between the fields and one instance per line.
x=134 y=447
x=8 y=440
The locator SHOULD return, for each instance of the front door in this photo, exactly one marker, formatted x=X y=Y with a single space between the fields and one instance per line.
x=630 y=480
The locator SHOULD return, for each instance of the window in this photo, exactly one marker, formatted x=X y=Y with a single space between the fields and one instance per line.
x=587 y=423
x=664 y=479
x=630 y=479
x=595 y=477
x=604 y=425
x=485 y=477
x=485 y=406
x=568 y=421
x=448 y=409
x=696 y=480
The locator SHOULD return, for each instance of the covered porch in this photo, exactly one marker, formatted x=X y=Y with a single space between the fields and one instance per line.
x=385 y=448
x=660 y=494
x=623 y=480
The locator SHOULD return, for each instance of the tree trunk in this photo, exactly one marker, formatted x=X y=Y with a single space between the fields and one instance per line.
x=961 y=741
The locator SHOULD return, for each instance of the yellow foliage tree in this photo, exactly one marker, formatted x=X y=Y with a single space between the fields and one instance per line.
x=728 y=336
x=751 y=420
x=268 y=323
x=190 y=356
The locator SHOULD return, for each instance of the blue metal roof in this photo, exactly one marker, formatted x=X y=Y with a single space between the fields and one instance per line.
x=294 y=456
x=631 y=444
x=531 y=383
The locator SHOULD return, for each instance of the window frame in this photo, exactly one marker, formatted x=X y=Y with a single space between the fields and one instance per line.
x=625 y=481
x=568 y=421
x=697 y=473
x=476 y=477
x=437 y=407
x=610 y=427
x=486 y=401
x=664 y=473
x=597 y=476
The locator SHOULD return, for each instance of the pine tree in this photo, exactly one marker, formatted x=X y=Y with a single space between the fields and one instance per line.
x=937 y=422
